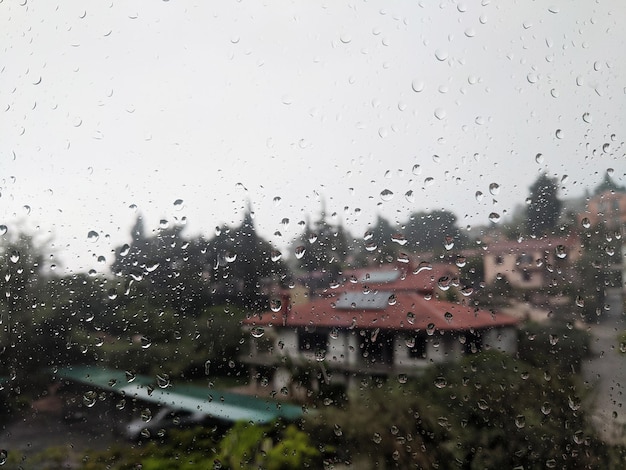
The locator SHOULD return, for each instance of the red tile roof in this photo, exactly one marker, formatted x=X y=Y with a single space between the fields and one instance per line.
x=323 y=312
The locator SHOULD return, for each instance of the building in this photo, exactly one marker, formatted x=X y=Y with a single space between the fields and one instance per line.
x=526 y=264
x=383 y=323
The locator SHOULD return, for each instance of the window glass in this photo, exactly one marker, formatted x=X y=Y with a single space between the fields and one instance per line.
x=312 y=234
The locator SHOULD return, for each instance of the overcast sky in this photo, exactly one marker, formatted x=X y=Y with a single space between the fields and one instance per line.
x=111 y=106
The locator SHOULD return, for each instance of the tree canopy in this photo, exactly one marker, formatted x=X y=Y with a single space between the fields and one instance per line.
x=544 y=208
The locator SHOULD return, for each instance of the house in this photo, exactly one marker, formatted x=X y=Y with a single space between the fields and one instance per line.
x=527 y=263
x=386 y=322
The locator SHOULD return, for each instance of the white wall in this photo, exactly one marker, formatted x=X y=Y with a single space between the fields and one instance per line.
x=501 y=339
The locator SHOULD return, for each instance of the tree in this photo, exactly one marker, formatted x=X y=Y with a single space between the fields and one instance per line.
x=323 y=247
x=485 y=411
x=607 y=184
x=542 y=213
x=242 y=262
x=34 y=316
x=432 y=231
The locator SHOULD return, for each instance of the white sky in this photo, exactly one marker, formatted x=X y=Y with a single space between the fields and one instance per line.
x=105 y=105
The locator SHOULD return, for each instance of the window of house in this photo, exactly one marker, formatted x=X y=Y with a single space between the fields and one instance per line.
x=417 y=347
x=312 y=341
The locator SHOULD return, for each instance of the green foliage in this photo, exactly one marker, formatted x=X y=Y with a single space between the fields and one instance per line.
x=274 y=447
x=427 y=231
x=486 y=411
x=544 y=209
x=554 y=346
x=176 y=342
x=326 y=248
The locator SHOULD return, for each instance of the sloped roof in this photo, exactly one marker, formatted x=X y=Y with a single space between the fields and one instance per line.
x=219 y=404
x=407 y=310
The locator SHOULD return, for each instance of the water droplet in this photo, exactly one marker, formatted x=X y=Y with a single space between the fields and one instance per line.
x=429 y=181
x=4 y=456
x=494 y=188
x=386 y=195
x=444 y=283
x=441 y=55
x=130 y=376
x=371 y=246
x=467 y=291
x=112 y=294
x=561 y=252
x=3 y=229
x=320 y=355
x=539 y=158
x=448 y=242
x=479 y=196
x=441 y=382
x=430 y=329
x=440 y=113
x=559 y=133
x=392 y=299
x=300 y=251
x=230 y=256
x=399 y=238
x=554 y=9
x=275 y=305
x=163 y=224
x=277 y=200
x=163 y=380
x=178 y=204
x=461 y=261
x=146 y=415
x=448 y=316
x=417 y=85
x=93 y=236
x=580 y=302
x=417 y=170
x=410 y=318
x=89 y=398
x=586 y=223
x=152 y=267
x=145 y=342
x=403 y=258
x=520 y=421
x=587 y=118
x=257 y=331
x=494 y=217
x=275 y=255
x=334 y=333
x=15 y=256
x=606 y=148
x=410 y=196
x=377 y=438
x=532 y=78
x=312 y=238
x=125 y=249
x=423 y=266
